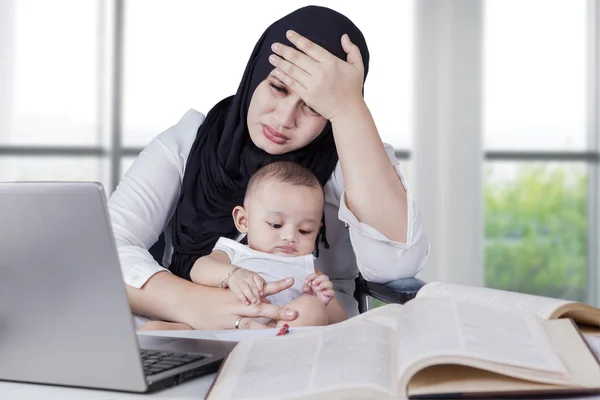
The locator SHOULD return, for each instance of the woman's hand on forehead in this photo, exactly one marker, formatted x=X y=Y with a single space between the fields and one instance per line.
x=327 y=84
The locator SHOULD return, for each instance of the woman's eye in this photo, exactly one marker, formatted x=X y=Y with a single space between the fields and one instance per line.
x=280 y=89
x=305 y=232
x=276 y=226
x=312 y=111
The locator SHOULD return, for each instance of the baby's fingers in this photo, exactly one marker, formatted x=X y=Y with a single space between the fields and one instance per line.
x=260 y=284
x=325 y=285
x=319 y=279
x=251 y=298
x=254 y=290
x=310 y=278
x=240 y=294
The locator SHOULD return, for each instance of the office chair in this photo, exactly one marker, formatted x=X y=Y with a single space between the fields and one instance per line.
x=399 y=291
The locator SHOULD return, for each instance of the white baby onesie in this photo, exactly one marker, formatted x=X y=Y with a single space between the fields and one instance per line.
x=271 y=267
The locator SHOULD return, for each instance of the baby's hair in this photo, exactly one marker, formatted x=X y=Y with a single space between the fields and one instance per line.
x=284 y=172
x=294 y=174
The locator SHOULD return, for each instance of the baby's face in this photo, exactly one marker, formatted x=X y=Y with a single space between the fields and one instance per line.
x=284 y=219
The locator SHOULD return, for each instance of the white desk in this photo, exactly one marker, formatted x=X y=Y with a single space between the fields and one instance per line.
x=194 y=389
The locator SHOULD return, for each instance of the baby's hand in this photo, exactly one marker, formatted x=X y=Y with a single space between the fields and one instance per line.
x=247 y=285
x=320 y=286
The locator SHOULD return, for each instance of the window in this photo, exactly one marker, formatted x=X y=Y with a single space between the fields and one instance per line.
x=51 y=72
x=535 y=75
x=535 y=129
x=49 y=103
x=52 y=115
x=536 y=228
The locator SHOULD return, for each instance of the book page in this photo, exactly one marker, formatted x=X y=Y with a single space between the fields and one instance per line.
x=352 y=356
x=437 y=326
x=385 y=315
x=594 y=342
x=493 y=298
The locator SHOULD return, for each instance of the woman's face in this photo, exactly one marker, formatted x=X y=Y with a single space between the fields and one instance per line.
x=279 y=121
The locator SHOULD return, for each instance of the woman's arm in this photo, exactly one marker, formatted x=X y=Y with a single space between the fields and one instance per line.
x=378 y=258
x=170 y=298
x=146 y=197
x=333 y=88
x=373 y=191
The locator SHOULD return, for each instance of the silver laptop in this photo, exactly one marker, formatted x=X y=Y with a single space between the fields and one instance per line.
x=64 y=314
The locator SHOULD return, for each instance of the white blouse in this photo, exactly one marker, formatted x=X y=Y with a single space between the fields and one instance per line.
x=143 y=205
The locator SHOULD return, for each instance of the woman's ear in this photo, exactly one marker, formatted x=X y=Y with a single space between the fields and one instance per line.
x=239 y=219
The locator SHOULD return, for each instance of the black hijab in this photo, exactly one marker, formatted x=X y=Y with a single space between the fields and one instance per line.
x=223 y=157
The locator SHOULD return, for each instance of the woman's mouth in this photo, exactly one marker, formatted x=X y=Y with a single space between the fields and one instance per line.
x=274 y=136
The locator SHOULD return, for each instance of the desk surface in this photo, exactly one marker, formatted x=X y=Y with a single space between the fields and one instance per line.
x=195 y=389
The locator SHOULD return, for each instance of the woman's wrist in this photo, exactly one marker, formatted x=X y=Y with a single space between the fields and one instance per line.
x=161 y=297
x=352 y=109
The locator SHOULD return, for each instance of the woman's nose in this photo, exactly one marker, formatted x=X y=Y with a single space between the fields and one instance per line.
x=286 y=115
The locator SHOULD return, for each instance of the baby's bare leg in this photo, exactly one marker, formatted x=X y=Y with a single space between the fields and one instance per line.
x=311 y=312
x=164 y=326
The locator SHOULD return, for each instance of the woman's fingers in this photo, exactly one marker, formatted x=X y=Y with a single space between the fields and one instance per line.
x=308 y=47
x=278 y=286
x=265 y=310
x=290 y=69
x=353 y=55
x=247 y=323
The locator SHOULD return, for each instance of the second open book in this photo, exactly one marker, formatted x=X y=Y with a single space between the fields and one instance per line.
x=435 y=345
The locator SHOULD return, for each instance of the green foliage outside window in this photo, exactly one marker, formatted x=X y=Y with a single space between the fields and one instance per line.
x=536 y=231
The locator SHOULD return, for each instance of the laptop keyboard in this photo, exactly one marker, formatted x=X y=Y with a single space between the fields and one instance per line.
x=158 y=361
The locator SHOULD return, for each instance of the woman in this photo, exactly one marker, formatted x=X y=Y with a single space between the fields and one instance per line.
x=300 y=99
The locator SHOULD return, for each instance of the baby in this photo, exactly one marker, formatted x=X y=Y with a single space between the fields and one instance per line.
x=281 y=217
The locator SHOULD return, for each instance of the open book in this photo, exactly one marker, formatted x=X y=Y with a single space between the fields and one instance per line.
x=544 y=307
x=438 y=347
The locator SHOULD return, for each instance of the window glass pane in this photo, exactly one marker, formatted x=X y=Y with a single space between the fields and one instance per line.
x=536 y=228
x=51 y=168
x=49 y=72
x=126 y=163
x=191 y=54
x=534 y=74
